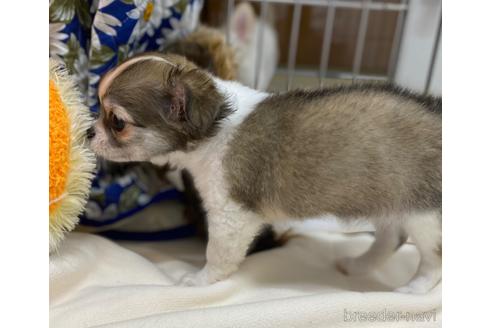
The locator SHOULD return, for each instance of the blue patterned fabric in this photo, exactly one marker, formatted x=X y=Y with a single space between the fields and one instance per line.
x=93 y=36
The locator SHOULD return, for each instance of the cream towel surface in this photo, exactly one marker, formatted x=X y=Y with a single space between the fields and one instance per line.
x=95 y=282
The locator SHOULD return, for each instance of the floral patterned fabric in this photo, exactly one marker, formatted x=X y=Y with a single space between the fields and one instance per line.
x=93 y=36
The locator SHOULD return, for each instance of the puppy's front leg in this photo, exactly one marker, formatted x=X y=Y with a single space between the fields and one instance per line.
x=229 y=236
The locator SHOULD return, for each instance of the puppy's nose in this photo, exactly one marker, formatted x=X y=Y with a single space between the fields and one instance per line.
x=91 y=133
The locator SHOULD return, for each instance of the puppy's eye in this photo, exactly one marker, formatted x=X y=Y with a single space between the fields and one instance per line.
x=117 y=124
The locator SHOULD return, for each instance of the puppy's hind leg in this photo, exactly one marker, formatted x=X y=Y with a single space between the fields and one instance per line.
x=388 y=238
x=425 y=231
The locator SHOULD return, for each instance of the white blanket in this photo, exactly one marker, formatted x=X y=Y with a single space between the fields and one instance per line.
x=96 y=282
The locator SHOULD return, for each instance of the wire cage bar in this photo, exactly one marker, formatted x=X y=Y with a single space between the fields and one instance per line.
x=331 y=6
x=294 y=38
x=433 y=57
x=325 y=49
x=395 y=47
x=361 y=39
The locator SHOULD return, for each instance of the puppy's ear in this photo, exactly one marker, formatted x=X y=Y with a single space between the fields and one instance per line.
x=243 y=21
x=178 y=101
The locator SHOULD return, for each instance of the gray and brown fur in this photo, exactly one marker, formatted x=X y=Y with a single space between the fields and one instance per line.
x=356 y=151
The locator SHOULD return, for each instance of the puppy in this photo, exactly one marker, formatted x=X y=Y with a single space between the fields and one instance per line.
x=356 y=152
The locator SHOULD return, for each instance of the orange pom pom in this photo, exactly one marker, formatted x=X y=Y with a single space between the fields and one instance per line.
x=59 y=146
x=72 y=163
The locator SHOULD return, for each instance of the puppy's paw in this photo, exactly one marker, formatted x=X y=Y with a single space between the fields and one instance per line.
x=412 y=289
x=201 y=278
x=351 y=266
x=193 y=279
x=419 y=285
x=404 y=290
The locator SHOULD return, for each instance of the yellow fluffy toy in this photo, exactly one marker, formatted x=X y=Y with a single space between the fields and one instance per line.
x=72 y=164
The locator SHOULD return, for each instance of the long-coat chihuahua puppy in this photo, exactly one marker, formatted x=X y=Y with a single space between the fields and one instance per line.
x=356 y=152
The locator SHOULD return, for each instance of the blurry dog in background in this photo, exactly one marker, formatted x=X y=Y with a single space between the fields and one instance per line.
x=244 y=31
x=238 y=58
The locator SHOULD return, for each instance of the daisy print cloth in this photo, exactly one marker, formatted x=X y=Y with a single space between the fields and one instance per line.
x=93 y=36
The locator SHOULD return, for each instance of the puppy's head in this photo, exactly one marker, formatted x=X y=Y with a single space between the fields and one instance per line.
x=154 y=104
